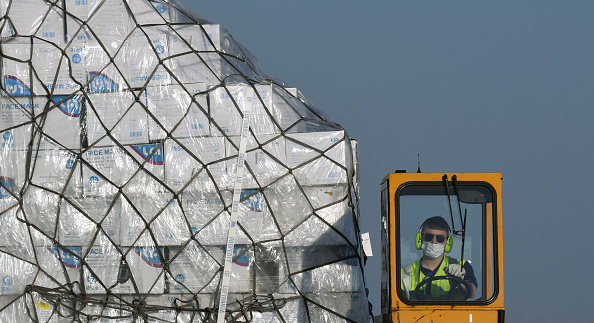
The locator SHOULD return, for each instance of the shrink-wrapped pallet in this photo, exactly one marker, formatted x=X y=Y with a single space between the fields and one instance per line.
x=150 y=171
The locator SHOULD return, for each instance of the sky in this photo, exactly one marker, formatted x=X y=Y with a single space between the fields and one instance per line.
x=469 y=86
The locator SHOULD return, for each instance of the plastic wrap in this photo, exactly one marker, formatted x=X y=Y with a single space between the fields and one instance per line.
x=120 y=134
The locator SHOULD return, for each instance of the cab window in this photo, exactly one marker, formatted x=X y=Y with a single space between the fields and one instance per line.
x=439 y=227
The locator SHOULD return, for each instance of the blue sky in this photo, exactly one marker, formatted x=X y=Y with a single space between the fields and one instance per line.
x=470 y=86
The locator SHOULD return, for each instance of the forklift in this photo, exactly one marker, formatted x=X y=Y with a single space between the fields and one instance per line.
x=470 y=204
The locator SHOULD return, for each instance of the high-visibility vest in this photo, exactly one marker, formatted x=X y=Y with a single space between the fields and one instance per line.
x=412 y=276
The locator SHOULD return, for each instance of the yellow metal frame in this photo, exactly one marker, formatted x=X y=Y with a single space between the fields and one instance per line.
x=402 y=312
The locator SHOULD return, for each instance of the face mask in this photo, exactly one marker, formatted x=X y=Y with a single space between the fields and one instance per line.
x=433 y=250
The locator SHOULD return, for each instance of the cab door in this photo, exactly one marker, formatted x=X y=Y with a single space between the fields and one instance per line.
x=470 y=203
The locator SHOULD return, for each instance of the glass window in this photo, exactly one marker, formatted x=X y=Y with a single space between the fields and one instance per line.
x=446 y=237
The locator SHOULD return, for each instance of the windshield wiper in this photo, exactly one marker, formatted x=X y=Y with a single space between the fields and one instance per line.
x=462 y=232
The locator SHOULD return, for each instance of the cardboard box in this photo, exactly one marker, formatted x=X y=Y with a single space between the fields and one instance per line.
x=144 y=270
x=16 y=70
x=62 y=123
x=118 y=114
x=162 y=215
x=40 y=210
x=55 y=168
x=227 y=102
x=193 y=270
x=61 y=120
x=16 y=274
x=102 y=269
x=180 y=110
x=323 y=226
x=13 y=153
x=205 y=212
x=140 y=58
x=112 y=164
x=111 y=23
x=186 y=157
x=241 y=277
x=97 y=220
x=14 y=308
x=200 y=208
x=353 y=306
x=319 y=158
x=319 y=270
x=198 y=60
x=59 y=70
x=265 y=159
x=17 y=110
x=7 y=188
x=63 y=264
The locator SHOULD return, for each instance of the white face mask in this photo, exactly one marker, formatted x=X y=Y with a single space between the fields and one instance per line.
x=433 y=250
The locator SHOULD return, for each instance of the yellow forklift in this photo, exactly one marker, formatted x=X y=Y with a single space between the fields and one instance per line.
x=442 y=248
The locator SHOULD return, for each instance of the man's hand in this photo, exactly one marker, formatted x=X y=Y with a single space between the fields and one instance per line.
x=455 y=270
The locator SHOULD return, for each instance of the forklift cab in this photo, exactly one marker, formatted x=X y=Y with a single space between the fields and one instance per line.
x=416 y=283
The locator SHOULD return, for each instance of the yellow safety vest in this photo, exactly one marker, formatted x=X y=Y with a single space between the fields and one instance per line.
x=412 y=275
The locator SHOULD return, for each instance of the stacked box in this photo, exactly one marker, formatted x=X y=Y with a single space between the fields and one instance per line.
x=16 y=274
x=158 y=221
x=55 y=168
x=13 y=147
x=224 y=109
x=116 y=114
x=319 y=158
x=61 y=73
x=199 y=61
x=89 y=221
x=107 y=168
x=321 y=270
x=126 y=271
x=196 y=269
x=181 y=111
x=59 y=265
x=120 y=129
x=197 y=162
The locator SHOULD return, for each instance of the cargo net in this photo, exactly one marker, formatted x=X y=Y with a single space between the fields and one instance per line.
x=121 y=128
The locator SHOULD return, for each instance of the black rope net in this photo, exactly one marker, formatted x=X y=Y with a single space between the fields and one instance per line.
x=120 y=136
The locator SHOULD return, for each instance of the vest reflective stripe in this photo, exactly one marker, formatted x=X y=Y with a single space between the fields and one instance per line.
x=412 y=276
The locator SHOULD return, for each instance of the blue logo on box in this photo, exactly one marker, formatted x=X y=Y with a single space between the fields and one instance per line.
x=7 y=136
x=14 y=86
x=161 y=8
x=91 y=279
x=243 y=260
x=76 y=58
x=254 y=202
x=146 y=150
x=160 y=49
x=93 y=180
x=150 y=255
x=70 y=107
x=7 y=280
x=67 y=256
x=7 y=184
x=101 y=83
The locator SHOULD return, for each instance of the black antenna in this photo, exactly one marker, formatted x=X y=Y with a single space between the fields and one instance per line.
x=418 y=163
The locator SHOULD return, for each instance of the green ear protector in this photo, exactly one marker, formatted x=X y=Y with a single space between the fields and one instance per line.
x=419 y=238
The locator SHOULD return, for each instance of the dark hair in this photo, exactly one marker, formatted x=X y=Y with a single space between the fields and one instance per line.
x=438 y=222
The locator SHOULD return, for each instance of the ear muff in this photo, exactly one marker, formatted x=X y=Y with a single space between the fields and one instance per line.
x=419 y=240
x=449 y=244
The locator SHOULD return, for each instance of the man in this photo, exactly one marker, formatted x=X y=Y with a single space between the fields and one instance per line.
x=434 y=239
